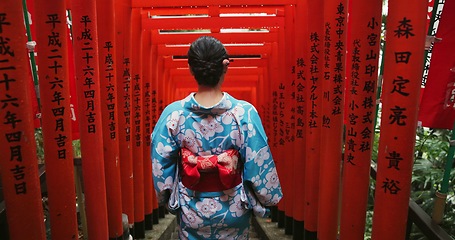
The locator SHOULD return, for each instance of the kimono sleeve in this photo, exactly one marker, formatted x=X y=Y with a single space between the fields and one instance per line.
x=164 y=154
x=260 y=175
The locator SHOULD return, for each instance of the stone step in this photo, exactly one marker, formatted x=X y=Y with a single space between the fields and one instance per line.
x=268 y=230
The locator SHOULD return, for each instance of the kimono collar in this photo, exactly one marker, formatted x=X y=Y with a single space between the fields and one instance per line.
x=223 y=105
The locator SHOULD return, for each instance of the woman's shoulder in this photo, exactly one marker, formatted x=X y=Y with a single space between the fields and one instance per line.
x=249 y=107
x=172 y=110
x=174 y=106
x=239 y=102
x=245 y=110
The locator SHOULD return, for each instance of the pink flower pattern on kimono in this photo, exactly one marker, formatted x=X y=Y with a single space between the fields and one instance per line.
x=157 y=168
x=208 y=207
x=235 y=116
x=237 y=207
x=174 y=121
x=167 y=184
x=191 y=218
x=208 y=127
x=237 y=139
x=272 y=180
x=189 y=140
x=163 y=150
x=261 y=156
x=205 y=231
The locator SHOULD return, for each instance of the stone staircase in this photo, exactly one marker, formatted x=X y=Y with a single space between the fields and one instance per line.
x=253 y=234
x=262 y=229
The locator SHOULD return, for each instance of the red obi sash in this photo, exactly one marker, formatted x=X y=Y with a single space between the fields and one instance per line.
x=212 y=173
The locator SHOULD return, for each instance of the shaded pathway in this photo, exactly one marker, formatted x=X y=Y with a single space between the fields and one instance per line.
x=262 y=229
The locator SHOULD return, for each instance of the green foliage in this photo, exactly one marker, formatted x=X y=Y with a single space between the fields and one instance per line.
x=77 y=148
x=431 y=151
x=39 y=145
x=369 y=224
x=432 y=147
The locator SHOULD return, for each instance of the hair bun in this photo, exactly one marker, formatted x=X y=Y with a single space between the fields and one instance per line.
x=205 y=58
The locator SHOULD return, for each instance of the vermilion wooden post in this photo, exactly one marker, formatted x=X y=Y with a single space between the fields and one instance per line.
x=154 y=113
x=168 y=89
x=270 y=76
x=89 y=106
x=333 y=58
x=137 y=123
x=289 y=112
x=149 y=190
x=313 y=125
x=124 y=86
x=18 y=165
x=265 y=102
x=401 y=89
x=301 y=90
x=56 y=116
x=278 y=121
x=362 y=68
x=161 y=95
x=109 y=110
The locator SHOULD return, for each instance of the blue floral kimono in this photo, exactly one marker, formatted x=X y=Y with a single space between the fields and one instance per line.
x=229 y=124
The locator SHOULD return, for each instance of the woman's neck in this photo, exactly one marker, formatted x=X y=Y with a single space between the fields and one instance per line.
x=208 y=96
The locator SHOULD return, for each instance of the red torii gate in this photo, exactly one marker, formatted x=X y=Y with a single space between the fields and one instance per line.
x=283 y=74
x=244 y=43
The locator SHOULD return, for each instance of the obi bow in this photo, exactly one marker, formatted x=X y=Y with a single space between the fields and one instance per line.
x=212 y=172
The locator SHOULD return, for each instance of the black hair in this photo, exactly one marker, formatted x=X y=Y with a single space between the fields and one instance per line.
x=205 y=57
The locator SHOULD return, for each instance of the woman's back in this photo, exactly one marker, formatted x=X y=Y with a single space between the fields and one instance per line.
x=212 y=164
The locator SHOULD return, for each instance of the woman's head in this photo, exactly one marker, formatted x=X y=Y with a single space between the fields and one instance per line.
x=205 y=57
